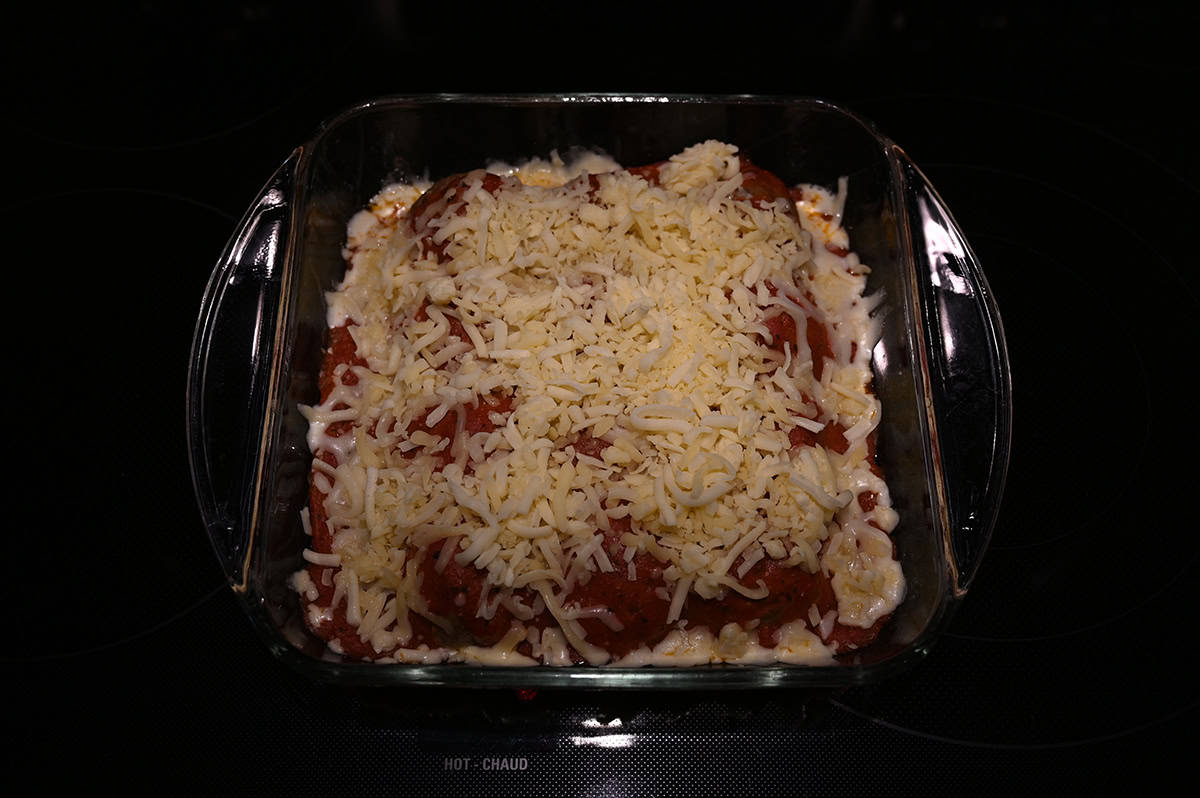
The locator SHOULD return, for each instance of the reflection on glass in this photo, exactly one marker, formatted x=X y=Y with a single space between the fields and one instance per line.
x=949 y=345
x=596 y=723
x=264 y=258
x=605 y=740
x=258 y=246
x=944 y=250
x=879 y=356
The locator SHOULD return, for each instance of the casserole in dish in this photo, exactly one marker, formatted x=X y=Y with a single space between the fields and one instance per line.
x=940 y=366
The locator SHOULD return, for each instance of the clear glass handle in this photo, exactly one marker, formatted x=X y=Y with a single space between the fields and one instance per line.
x=230 y=364
x=969 y=376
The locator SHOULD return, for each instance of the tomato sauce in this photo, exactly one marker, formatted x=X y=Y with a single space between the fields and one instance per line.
x=840 y=251
x=792 y=591
x=783 y=331
x=440 y=196
x=453 y=592
x=649 y=173
x=591 y=447
x=832 y=436
x=760 y=187
x=478 y=419
x=456 y=327
x=336 y=627
x=763 y=188
x=637 y=605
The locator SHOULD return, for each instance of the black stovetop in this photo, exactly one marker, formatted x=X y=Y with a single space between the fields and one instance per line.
x=1062 y=141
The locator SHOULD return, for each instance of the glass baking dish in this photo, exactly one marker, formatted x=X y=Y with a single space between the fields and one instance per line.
x=941 y=366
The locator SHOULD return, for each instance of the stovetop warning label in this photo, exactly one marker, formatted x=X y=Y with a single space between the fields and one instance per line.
x=487 y=763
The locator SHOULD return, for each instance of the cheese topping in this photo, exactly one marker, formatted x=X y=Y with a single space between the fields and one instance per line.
x=605 y=307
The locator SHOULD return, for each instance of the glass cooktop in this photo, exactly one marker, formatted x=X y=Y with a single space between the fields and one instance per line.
x=1056 y=139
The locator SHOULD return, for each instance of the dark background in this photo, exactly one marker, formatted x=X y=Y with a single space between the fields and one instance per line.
x=1063 y=140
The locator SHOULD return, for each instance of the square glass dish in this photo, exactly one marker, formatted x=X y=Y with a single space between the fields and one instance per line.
x=941 y=369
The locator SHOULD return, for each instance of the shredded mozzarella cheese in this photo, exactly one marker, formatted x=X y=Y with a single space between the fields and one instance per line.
x=637 y=313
